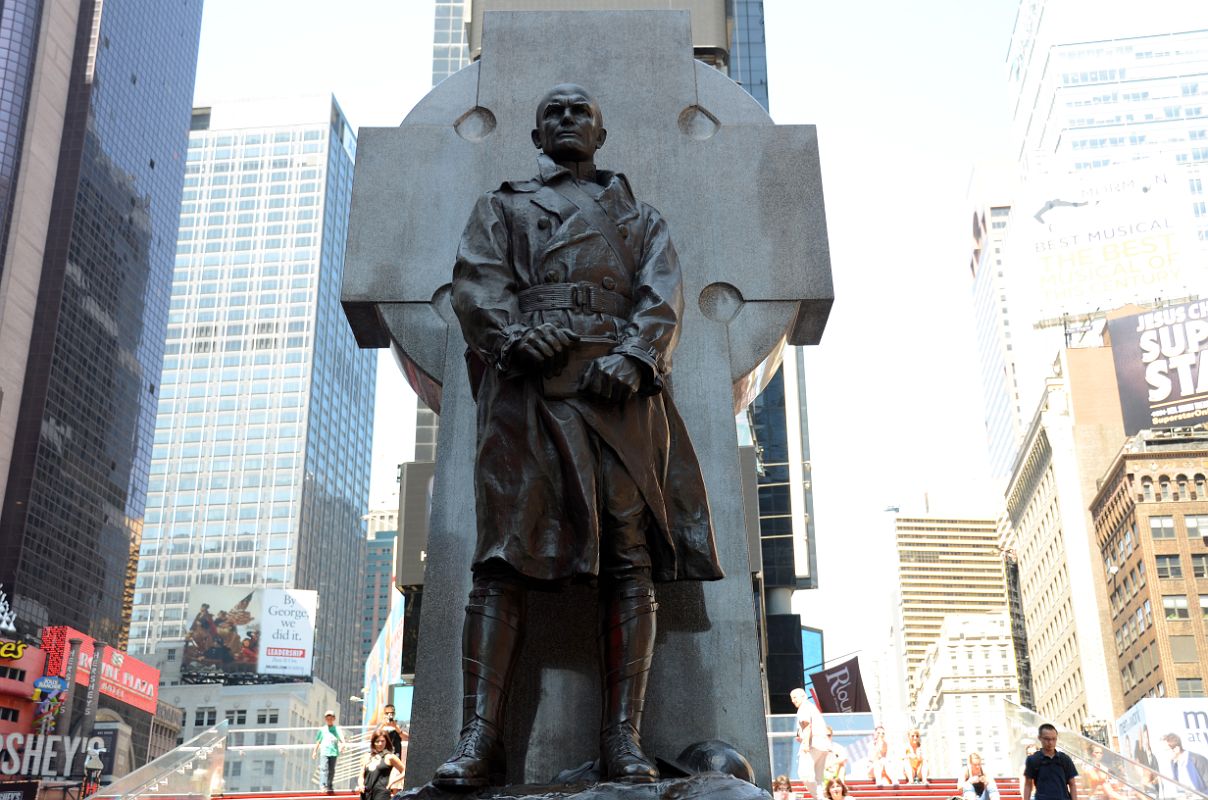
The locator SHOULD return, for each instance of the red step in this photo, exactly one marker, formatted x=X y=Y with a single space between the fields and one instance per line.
x=940 y=789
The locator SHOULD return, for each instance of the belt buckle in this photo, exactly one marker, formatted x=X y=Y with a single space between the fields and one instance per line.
x=581 y=295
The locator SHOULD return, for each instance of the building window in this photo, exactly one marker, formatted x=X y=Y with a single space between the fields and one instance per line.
x=1191 y=687
x=8 y=714
x=1148 y=614
x=266 y=716
x=1199 y=565
x=1168 y=566
x=205 y=716
x=1197 y=525
x=1182 y=649
x=1161 y=527
x=1175 y=606
x=1204 y=606
x=12 y=673
x=238 y=716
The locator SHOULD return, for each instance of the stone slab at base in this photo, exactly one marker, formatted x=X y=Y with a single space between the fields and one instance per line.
x=710 y=785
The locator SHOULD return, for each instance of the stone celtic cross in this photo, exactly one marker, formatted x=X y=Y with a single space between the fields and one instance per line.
x=743 y=199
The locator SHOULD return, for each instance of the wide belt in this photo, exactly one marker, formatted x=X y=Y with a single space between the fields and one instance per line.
x=583 y=296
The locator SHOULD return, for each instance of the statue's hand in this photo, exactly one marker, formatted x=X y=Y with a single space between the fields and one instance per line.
x=613 y=377
x=544 y=348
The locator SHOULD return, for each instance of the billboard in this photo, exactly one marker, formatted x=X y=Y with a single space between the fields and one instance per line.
x=1102 y=238
x=240 y=631
x=384 y=667
x=1148 y=730
x=1161 y=359
x=123 y=677
x=288 y=632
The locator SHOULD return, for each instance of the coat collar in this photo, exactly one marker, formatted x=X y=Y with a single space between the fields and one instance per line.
x=617 y=199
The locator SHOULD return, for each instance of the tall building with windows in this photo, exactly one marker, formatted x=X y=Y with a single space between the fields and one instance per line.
x=96 y=100
x=1151 y=529
x=1109 y=125
x=966 y=674
x=377 y=579
x=1076 y=430
x=260 y=470
x=946 y=566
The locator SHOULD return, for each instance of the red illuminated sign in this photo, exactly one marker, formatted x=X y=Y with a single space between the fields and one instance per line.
x=123 y=677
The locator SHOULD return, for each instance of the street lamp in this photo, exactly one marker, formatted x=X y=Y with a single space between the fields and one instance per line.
x=93 y=766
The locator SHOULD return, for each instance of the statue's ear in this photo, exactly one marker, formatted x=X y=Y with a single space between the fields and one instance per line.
x=536 y=138
x=600 y=137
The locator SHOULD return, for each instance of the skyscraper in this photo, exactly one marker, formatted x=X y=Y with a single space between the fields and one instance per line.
x=1075 y=431
x=260 y=471
x=1109 y=125
x=96 y=100
x=945 y=566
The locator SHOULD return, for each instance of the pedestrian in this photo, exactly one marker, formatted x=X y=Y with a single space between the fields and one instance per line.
x=836 y=758
x=393 y=730
x=977 y=784
x=378 y=768
x=328 y=741
x=1049 y=772
x=782 y=789
x=813 y=747
x=880 y=765
x=913 y=763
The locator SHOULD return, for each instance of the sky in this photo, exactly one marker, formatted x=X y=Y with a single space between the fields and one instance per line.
x=907 y=98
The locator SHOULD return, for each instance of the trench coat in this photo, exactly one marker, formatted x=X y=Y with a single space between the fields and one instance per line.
x=537 y=475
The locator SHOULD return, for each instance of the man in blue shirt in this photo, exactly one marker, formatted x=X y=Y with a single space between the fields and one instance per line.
x=1049 y=772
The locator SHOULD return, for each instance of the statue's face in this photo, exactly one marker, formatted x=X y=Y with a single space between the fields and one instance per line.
x=569 y=124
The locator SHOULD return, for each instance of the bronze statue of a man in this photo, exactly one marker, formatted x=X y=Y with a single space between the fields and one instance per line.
x=568 y=292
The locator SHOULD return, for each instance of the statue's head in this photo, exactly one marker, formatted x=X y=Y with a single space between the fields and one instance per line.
x=570 y=126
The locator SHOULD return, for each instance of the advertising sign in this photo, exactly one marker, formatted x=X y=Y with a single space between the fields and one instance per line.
x=288 y=632
x=1161 y=359
x=123 y=677
x=33 y=754
x=384 y=666
x=840 y=689
x=49 y=693
x=19 y=790
x=224 y=636
x=1102 y=238
x=1169 y=735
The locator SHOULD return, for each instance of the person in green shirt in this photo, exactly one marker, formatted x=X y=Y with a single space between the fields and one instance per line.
x=328 y=740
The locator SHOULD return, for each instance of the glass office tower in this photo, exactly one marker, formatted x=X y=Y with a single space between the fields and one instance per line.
x=75 y=489
x=260 y=470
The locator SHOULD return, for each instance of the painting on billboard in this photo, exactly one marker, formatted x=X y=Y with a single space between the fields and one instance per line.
x=1161 y=359
x=1103 y=238
x=1170 y=736
x=224 y=635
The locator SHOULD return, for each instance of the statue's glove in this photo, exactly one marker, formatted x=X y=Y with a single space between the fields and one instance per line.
x=613 y=377
x=543 y=348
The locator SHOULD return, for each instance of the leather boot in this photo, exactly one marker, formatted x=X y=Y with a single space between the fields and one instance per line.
x=626 y=649
x=489 y=646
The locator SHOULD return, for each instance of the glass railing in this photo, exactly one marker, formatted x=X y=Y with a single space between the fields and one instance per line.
x=192 y=770
x=1103 y=774
x=271 y=759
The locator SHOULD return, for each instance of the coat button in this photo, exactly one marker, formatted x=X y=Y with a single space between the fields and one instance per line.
x=624 y=229
x=609 y=284
x=543 y=224
x=551 y=277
